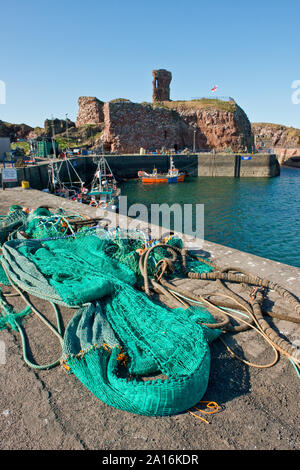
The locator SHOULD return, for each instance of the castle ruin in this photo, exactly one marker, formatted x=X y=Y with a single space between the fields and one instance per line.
x=161 y=85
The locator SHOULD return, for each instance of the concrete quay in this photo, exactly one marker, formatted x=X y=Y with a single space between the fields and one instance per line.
x=53 y=410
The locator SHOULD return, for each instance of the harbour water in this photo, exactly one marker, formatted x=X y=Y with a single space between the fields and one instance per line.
x=257 y=215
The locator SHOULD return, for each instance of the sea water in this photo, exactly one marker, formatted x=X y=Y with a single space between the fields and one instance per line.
x=257 y=215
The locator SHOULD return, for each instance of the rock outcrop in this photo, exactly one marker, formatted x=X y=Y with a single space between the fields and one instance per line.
x=217 y=124
x=90 y=111
x=276 y=134
x=161 y=85
x=288 y=156
x=282 y=140
x=59 y=126
x=14 y=131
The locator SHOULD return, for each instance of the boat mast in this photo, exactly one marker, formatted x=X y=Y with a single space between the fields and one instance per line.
x=172 y=166
x=67 y=129
x=53 y=138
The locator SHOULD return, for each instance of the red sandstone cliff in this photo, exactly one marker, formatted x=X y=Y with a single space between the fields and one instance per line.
x=218 y=124
x=14 y=131
x=125 y=127
x=283 y=140
x=129 y=126
x=276 y=134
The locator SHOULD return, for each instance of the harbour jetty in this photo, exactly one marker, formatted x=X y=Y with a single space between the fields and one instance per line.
x=248 y=398
x=128 y=166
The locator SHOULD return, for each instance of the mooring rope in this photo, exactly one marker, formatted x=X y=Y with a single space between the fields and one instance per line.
x=57 y=332
x=222 y=275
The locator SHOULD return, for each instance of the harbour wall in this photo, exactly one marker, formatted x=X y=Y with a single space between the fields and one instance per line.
x=201 y=164
x=127 y=166
x=238 y=166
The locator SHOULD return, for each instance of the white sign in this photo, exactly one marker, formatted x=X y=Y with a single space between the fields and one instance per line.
x=9 y=175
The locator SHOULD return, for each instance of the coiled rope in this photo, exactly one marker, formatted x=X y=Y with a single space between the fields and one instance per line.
x=253 y=309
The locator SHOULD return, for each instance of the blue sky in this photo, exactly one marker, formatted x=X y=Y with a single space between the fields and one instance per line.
x=53 y=52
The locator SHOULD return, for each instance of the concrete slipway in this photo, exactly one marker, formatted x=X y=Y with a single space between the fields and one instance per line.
x=259 y=408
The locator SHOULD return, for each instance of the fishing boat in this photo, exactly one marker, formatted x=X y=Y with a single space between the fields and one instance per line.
x=64 y=181
x=104 y=192
x=173 y=175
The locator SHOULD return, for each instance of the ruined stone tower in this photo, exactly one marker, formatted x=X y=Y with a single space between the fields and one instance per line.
x=161 y=85
x=90 y=111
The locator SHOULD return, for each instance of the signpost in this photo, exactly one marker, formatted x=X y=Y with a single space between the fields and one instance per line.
x=9 y=175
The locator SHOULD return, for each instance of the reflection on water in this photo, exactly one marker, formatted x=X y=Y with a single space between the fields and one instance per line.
x=256 y=215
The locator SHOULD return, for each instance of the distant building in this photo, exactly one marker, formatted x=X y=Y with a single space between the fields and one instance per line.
x=44 y=147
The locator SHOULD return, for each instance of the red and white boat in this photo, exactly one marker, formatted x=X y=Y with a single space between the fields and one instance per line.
x=173 y=176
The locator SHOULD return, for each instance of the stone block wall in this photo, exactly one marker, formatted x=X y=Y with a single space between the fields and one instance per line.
x=90 y=111
x=130 y=126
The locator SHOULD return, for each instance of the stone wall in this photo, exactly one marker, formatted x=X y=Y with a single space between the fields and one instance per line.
x=203 y=123
x=130 y=126
x=90 y=111
x=237 y=166
x=161 y=85
x=127 y=166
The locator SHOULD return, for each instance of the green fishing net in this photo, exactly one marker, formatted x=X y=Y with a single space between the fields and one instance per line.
x=9 y=225
x=168 y=356
x=67 y=271
x=127 y=251
x=13 y=221
x=119 y=341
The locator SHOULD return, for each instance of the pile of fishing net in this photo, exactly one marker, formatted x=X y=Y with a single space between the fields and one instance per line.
x=119 y=340
x=42 y=223
x=9 y=225
x=12 y=222
x=128 y=246
x=20 y=223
